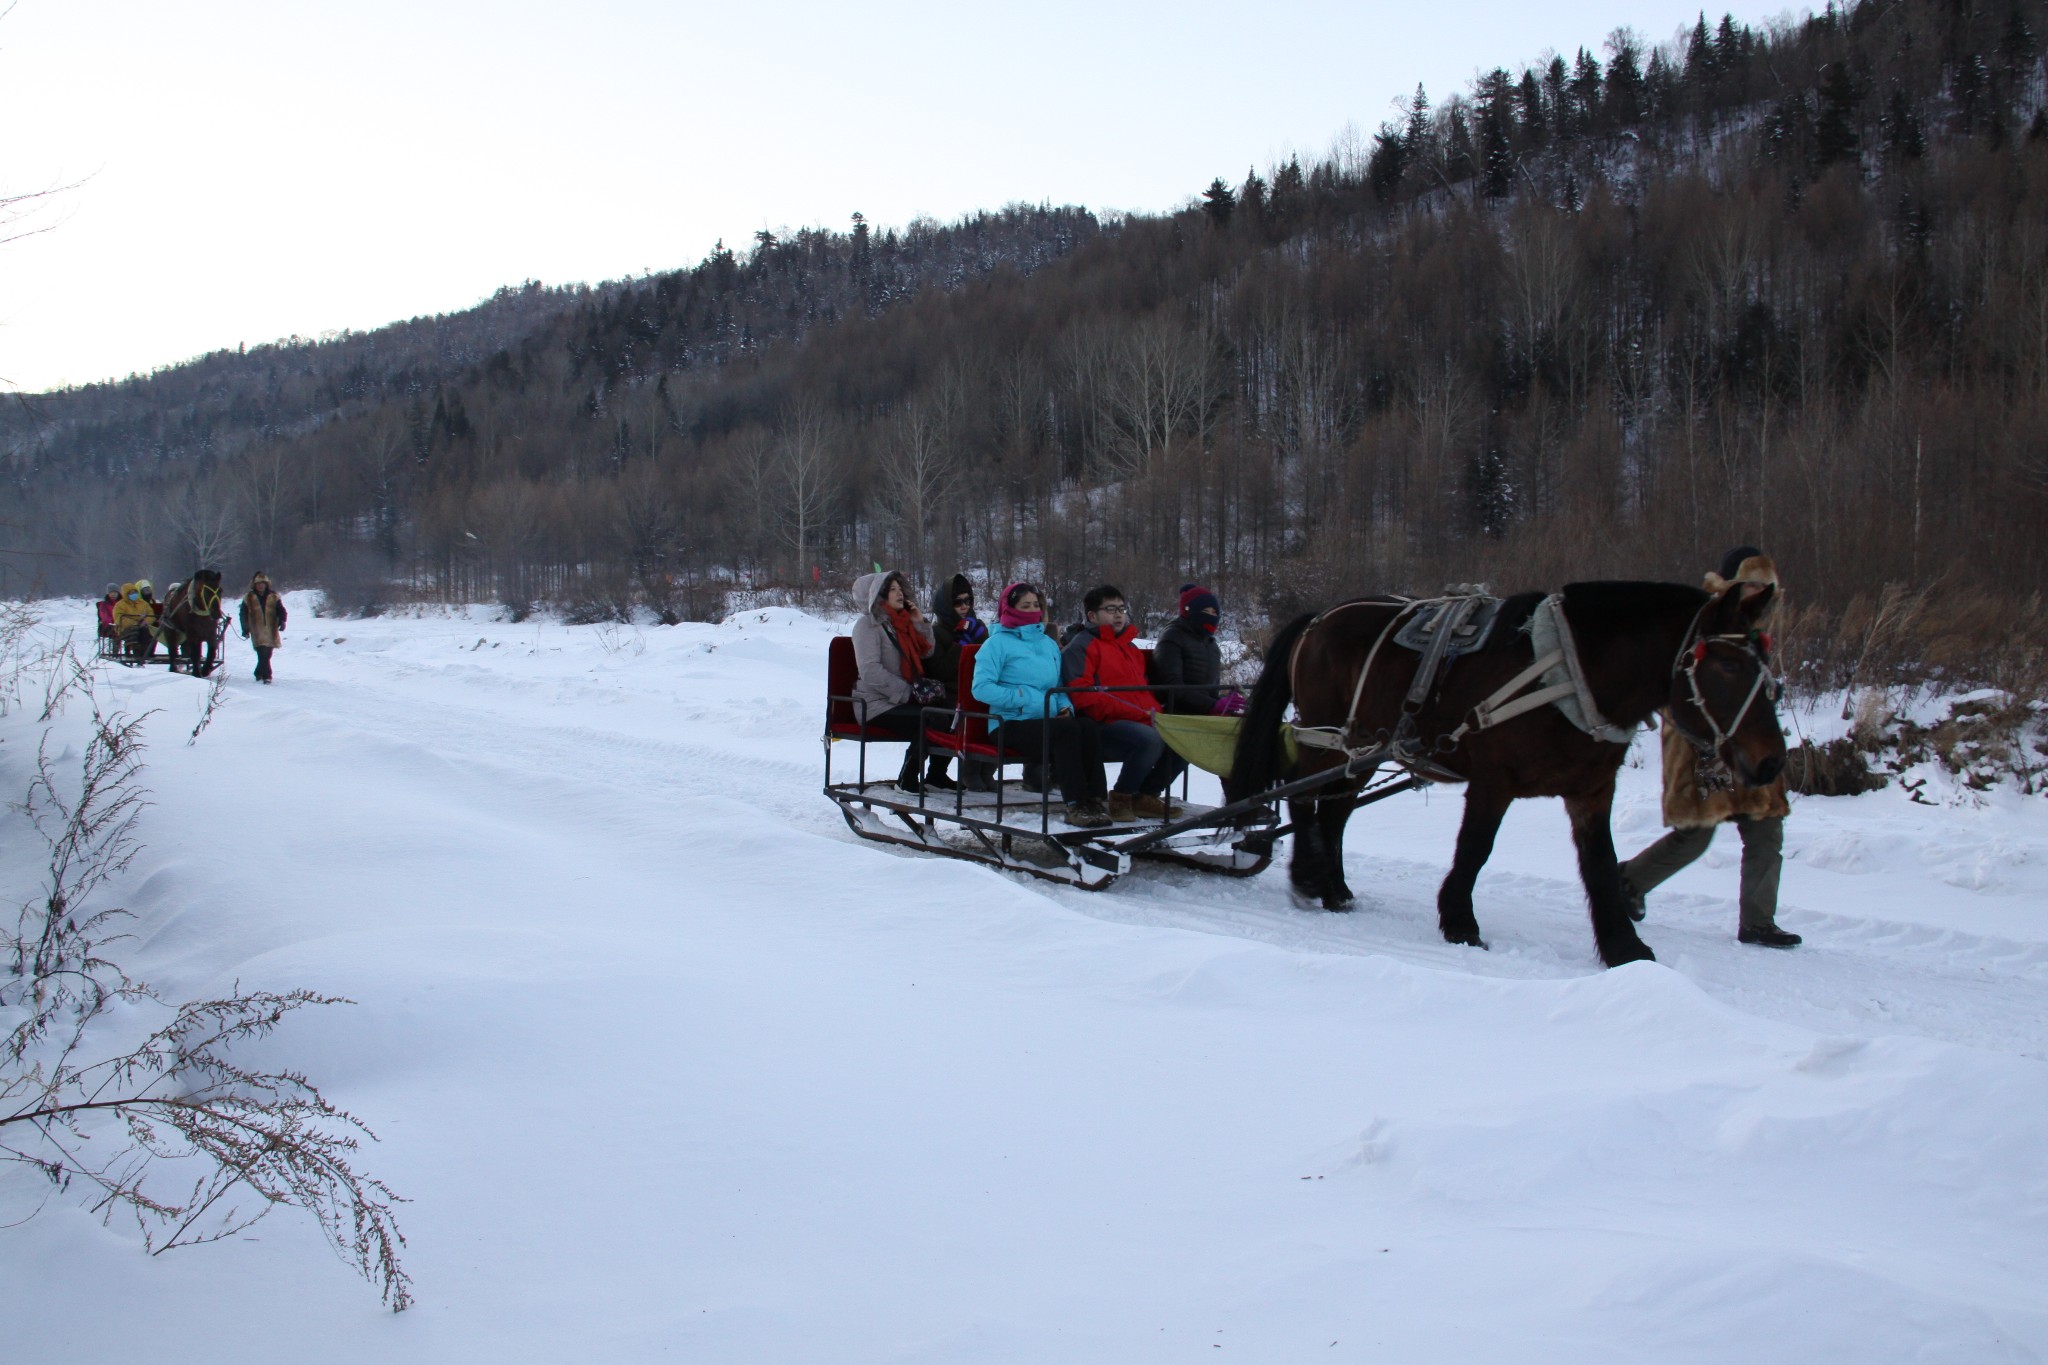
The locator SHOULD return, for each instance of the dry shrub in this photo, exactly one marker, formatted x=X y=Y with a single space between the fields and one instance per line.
x=1840 y=767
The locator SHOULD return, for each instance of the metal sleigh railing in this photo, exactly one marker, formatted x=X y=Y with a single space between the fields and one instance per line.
x=1094 y=857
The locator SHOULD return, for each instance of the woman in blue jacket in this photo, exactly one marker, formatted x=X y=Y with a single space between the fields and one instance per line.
x=1013 y=674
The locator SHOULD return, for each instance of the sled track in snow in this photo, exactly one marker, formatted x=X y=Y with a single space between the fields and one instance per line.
x=1855 y=974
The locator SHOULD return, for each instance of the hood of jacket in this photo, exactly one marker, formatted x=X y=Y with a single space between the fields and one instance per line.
x=867 y=589
x=942 y=599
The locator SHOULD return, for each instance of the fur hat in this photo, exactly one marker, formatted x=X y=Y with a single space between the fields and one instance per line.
x=1743 y=564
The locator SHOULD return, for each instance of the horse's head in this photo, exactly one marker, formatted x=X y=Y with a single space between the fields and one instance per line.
x=1724 y=691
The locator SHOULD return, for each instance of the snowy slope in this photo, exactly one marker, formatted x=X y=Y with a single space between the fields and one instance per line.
x=673 y=1067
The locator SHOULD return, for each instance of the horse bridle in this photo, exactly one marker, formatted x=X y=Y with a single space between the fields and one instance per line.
x=1693 y=653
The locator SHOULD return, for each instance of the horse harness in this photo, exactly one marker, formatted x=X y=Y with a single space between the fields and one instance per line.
x=1441 y=628
x=1754 y=643
x=201 y=599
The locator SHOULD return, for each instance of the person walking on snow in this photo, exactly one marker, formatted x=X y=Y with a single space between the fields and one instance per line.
x=262 y=619
x=1700 y=793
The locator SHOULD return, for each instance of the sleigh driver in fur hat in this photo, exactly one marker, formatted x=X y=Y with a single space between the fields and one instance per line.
x=1700 y=793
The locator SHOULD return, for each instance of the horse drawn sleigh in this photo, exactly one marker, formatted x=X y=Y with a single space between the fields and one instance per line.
x=188 y=624
x=1533 y=695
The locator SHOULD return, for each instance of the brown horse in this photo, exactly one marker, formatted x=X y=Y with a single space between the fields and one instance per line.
x=191 y=621
x=1640 y=647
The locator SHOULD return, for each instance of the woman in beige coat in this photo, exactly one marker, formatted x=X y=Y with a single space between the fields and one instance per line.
x=1700 y=794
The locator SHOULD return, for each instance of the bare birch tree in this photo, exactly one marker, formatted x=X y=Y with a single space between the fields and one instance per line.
x=809 y=479
x=918 y=467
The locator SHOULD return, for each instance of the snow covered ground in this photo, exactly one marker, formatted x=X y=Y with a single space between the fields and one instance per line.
x=673 y=1067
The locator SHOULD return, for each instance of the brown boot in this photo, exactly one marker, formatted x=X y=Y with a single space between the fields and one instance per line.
x=1121 y=808
x=1157 y=808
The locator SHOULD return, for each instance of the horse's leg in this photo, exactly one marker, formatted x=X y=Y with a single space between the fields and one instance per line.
x=1306 y=868
x=1613 y=929
x=1333 y=815
x=1485 y=806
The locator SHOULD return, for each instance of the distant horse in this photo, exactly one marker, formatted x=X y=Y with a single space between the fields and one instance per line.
x=1639 y=648
x=190 y=623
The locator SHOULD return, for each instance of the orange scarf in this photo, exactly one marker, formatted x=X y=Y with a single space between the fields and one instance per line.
x=908 y=641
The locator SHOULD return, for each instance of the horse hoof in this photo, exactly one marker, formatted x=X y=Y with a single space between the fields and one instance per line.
x=1469 y=939
x=1336 y=903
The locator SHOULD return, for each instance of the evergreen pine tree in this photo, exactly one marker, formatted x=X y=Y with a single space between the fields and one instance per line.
x=1623 y=97
x=1834 y=133
x=1219 y=203
x=1496 y=132
x=1290 y=193
x=1586 y=91
x=1529 y=95
x=1251 y=197
x=1461 y=161
x=1416 y=136
x=1557 y=92
x=1388 y=162
x=1700 y=67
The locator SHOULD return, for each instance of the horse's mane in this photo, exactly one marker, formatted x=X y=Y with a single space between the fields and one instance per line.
x=1601 y=611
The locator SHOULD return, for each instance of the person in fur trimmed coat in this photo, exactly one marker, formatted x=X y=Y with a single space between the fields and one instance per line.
x=1700 y=795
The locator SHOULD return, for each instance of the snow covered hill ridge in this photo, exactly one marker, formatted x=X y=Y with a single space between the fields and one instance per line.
x=673 y=1067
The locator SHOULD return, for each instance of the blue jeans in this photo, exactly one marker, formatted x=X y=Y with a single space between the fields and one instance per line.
x=1149 y=765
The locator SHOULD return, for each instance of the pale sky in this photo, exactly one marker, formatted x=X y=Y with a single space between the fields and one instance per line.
x=258 y=168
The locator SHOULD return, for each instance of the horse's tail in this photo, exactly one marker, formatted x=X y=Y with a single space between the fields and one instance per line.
x=1257 y=762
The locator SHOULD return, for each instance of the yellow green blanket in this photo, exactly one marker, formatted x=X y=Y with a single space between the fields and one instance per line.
x=1209 y=742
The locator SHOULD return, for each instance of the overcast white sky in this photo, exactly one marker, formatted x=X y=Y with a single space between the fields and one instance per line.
x=265 y=167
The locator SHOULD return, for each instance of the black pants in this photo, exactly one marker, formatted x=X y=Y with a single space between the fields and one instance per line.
x=905 y=722
x=263 y=662
x=1076 y=752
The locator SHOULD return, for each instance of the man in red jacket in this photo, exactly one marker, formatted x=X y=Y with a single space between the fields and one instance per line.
x=1106 y=655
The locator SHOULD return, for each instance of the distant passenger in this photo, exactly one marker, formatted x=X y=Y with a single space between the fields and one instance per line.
x=1187 y=665
x=1105 y=654
x=953 y=624
x=133 y=617
x=148 y=593
x=109 y=600
x=1015 y=676
x=891 y=642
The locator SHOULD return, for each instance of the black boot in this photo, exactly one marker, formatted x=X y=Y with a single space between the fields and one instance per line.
x=1770 y=936
x=907 y=779
x=935 y=778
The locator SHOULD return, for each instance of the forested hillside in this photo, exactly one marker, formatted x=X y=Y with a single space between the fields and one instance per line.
x=1600 y=315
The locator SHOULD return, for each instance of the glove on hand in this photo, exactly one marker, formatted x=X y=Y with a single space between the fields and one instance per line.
x=1229 y=704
